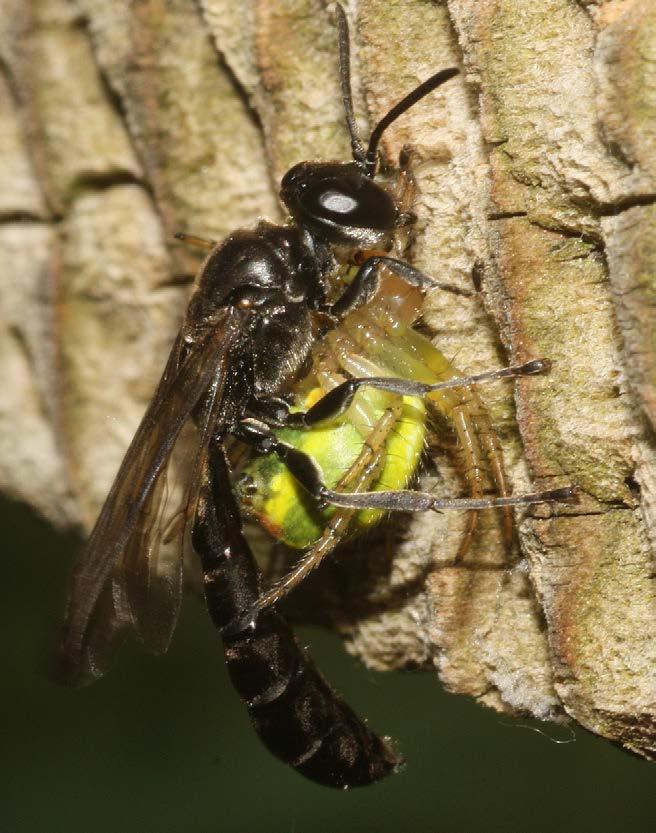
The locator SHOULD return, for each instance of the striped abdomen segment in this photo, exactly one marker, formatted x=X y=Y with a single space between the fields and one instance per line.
x=298 y=716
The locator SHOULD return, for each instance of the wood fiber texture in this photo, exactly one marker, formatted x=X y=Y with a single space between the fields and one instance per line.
x=124 y=122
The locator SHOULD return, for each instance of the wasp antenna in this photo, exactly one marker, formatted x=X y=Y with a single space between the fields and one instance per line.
x=357 y=148
x=406 y=103
x=193 y=240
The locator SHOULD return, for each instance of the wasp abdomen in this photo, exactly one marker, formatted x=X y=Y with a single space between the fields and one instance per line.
x=298 y=716
x=296 y=713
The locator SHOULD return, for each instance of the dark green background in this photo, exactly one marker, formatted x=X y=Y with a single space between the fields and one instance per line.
x=162 y=744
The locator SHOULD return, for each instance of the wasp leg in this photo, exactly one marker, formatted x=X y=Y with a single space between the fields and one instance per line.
x=298 y=716
x=414 y=277
x=365 y=284
x=360 y=475
x=337 y=401
x=308 y=474
x=259 y=436
x=411 y=501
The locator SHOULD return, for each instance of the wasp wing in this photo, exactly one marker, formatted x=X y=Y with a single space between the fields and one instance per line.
x=148 y=579
x=99 y=605
x=149 y=574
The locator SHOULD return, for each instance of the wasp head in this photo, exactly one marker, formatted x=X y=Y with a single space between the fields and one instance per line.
x=338 y=202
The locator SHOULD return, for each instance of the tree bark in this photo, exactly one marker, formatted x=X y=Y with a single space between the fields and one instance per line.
x=124 y=122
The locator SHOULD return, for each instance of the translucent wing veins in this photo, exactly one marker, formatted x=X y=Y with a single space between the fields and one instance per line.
x=180 y=389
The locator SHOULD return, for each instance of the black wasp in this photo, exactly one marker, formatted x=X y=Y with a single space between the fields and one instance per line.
x=262 y=300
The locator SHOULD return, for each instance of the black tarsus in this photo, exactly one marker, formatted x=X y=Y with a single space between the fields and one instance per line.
x=365 y=284
x=336 y=401
x=260 y=436
x=297 y=715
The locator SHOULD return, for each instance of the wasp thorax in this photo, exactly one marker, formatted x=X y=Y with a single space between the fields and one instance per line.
x=339 y=202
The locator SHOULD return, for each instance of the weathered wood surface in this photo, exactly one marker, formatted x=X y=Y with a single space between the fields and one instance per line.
x=123 y=122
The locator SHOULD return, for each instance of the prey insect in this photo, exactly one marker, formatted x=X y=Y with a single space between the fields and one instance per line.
x=266 y=303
